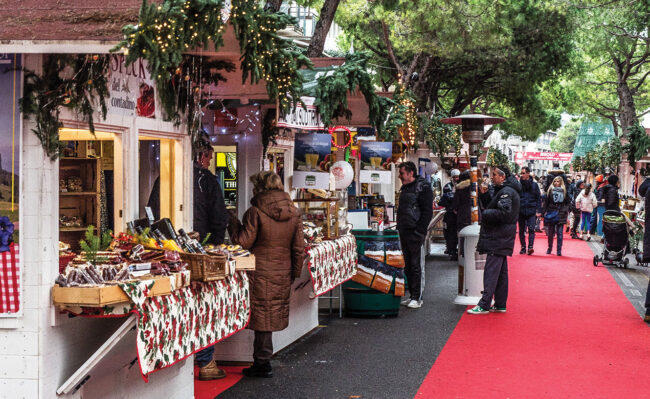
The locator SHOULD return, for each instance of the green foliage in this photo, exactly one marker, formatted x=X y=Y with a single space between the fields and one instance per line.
x=266 y=55
x=566 y=137
x=638 y=144
x=475 y=57
x=605 y=155
x=75 y=82
x=93 y=244
x=440 y=137
x=164 y=32
x=495 y=157
x=331 y=93
x=399 y=112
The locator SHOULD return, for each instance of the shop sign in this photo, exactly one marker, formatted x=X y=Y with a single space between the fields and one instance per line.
x=375 y=162
x=312 y=151
x=520 y=156
x=305 y=118
x=11 y=79
x=131 y=88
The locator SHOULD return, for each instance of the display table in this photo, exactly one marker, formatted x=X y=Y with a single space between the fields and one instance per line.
x=172 y=327
x=331 y=263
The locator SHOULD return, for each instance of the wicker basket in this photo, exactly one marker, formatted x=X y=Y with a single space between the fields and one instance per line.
x=205 y=267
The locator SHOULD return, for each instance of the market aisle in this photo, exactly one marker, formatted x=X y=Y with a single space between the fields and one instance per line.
x=569 y=332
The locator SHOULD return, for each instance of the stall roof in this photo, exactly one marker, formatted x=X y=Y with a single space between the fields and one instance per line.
x=45 y=20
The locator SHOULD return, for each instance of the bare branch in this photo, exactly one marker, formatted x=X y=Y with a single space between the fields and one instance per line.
x=389 y=47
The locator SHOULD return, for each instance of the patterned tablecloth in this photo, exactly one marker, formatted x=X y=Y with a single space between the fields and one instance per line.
x=173 y=327
x=332 y=263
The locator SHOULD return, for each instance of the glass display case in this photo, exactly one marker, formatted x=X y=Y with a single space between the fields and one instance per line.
x=323 y=212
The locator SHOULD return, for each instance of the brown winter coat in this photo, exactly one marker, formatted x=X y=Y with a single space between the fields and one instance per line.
x=272 y=230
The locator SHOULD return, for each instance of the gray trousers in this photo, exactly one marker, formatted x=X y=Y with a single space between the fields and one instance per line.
x=495 y=282
x=263 y=347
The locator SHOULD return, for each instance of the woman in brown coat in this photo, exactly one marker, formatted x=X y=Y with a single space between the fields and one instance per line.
x=272 y=231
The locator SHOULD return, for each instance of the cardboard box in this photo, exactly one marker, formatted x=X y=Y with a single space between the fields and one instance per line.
x=245 y=262
x=100 y=296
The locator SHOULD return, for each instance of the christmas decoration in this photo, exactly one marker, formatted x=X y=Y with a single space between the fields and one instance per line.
x=441 y=138
x=332 y=130
x=495 y=157
x=76 y=82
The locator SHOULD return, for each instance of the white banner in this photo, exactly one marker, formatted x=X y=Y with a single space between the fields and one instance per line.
x=302 y=118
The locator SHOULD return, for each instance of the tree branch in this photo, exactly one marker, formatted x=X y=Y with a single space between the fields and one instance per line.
x=389 y=47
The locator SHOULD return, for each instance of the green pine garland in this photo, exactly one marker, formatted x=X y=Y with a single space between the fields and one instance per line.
x=266 y=55
x=496 y=158
x=440 y=137
x=70 y=81
x=331 y=93
x=638 y=144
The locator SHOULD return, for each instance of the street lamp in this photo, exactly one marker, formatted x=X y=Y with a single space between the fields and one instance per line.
x=470 y=263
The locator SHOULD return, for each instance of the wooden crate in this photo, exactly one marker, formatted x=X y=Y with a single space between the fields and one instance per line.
x=107 y=295
x=245 y=262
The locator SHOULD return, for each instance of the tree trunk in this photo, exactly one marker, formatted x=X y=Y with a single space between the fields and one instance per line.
x=273 y=5
x=628 y=109
x=322 y=28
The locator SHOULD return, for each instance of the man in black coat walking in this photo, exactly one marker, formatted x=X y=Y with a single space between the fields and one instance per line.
x=497 y=240
x=529 y=210
x=413 y=216
x=450 y=219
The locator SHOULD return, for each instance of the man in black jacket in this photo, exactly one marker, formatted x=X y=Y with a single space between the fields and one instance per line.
x=644 y=192
x=610 y=194
x=497 y=240
x=450 y=219
x=413 y=216
x=210 y=217
x=530 y=209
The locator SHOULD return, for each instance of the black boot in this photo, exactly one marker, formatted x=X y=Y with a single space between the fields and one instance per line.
x=261 y=370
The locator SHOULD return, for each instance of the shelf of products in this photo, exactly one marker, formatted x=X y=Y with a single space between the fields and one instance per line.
x=79 y=197
x=323 y=212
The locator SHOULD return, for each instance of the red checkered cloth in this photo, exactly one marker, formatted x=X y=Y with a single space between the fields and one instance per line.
x=10 y=281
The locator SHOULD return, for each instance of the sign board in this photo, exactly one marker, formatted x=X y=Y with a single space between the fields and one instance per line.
x=301 y=117
x=132 y=91
x=11 y=78
x=521 y=156
x=375 y=162
x=311 y=152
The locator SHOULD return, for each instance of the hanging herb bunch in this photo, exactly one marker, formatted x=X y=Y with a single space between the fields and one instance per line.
x=440 y=137
x=495 y=157
x=266 y=55
x=75 y=82
x=331 y=92
x=164 y=32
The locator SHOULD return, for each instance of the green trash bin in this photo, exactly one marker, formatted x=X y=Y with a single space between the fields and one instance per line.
x=360 y=300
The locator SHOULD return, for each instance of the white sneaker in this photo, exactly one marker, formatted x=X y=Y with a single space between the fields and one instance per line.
x=405 y=302
x=413 y=304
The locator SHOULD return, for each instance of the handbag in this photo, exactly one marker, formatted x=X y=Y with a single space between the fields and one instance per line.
x=551 y=217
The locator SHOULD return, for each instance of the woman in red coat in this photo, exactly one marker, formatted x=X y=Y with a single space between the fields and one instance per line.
x=272 y=230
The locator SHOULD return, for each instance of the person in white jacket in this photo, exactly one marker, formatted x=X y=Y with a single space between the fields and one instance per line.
x=586 y=202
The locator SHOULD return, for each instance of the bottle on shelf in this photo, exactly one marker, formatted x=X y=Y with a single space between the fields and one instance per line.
x=198 y=248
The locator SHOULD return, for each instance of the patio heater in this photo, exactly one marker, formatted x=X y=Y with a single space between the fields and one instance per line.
x=470 y=263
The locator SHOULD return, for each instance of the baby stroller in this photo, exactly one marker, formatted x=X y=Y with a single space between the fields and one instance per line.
x=616 y=240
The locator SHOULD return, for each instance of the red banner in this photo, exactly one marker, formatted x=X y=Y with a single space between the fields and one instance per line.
x=543 y=156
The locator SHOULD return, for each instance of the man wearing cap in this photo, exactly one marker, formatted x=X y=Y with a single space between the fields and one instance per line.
x=450 y=218
x=497 y=240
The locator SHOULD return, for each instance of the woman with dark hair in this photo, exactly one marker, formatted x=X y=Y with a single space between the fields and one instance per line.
x=272 y=231
x=556 y=209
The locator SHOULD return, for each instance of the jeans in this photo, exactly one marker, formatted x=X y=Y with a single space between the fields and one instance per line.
x=586 y=222
x=551 y=230
x=527 y=222
x=495 y=282
x=601 y=213
x=412 y=251
x=204 y=356
x=263 y=347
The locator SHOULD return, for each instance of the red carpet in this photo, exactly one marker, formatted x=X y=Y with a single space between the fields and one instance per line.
x=210 y=389
x=570 y=332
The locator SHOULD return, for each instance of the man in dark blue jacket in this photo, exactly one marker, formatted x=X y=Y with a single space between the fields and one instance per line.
x=530 y=209
x=413 y=216
x=497 y=240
